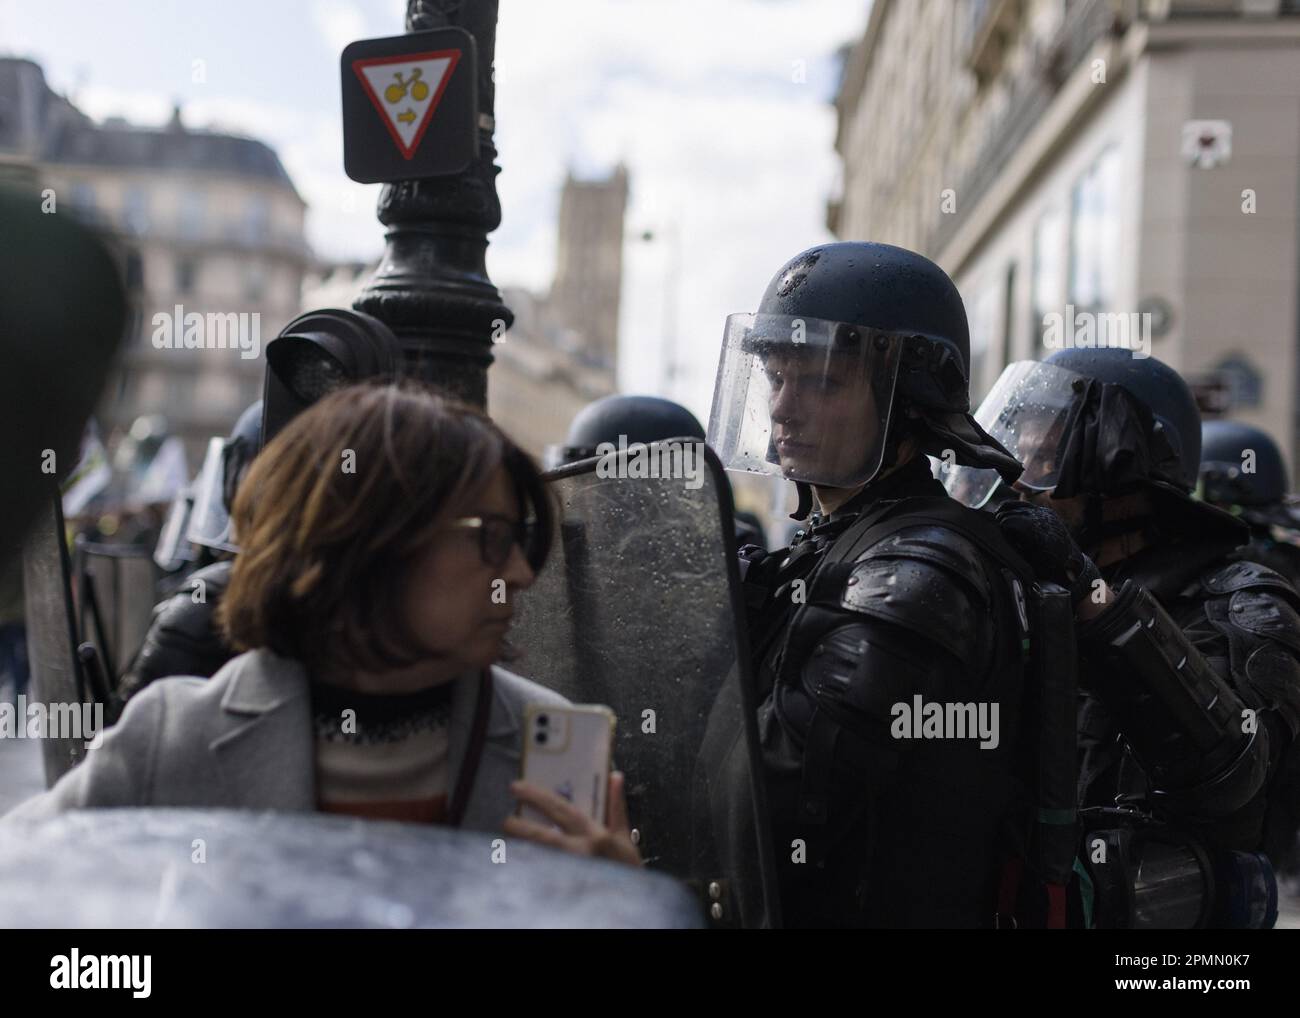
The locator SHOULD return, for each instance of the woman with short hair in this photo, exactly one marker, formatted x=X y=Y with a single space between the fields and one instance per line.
x=384 y=535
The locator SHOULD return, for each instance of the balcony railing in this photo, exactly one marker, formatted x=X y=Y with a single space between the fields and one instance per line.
x=1032 y=93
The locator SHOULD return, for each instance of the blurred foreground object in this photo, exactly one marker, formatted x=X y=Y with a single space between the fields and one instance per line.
x=132 y=869
x=62 y=313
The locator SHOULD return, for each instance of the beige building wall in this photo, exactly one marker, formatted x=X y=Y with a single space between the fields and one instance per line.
x=535 y=386
x=972 y=138
x=214 y=262
x=1020 y=268
x=1231 y=275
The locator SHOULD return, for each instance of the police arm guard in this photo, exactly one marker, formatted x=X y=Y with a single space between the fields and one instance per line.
x=1191 y=733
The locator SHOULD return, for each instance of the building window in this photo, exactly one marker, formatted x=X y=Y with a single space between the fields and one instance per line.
x=983 y=313
x=192 y=211
x=1047 y=279
x=135 y=210
x=254 y=282
x=257 y=219
x=1008 y=314
x=187 y=272
x=1094 y=235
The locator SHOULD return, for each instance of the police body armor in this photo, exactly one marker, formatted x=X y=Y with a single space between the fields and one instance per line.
x=1274 y=539
x=916 y=596
x=1191 y=675
x=1220 y=642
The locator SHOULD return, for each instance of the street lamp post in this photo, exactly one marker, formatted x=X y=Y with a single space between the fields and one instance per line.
x=431 y=286
x=671 y=368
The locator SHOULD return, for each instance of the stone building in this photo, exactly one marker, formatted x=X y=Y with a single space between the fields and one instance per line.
x=1135 y=161
x=562 y=351
x=208 y=222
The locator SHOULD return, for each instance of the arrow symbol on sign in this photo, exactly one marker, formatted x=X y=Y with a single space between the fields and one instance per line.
x=405 y=76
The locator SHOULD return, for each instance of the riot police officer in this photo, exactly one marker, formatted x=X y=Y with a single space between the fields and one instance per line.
x=893 y=601
x=638 y=420
x=1242 y=471
x=1190 y=660
x=183 y=638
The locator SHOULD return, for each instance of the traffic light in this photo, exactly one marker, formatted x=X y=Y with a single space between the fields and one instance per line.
x=319 y=352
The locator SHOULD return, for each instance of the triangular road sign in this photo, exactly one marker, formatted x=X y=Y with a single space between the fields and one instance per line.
x=405 y=90
x=410 y=105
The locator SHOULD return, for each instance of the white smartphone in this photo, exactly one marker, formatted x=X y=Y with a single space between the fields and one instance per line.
x=567 y=750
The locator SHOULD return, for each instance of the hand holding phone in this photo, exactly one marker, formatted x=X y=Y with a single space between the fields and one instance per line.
x=567 y=787
x=567 y=751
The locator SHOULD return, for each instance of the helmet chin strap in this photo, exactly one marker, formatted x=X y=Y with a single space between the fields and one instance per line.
x=805 y=501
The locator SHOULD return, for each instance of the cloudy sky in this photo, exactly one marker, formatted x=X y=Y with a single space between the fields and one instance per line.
x=720 y=109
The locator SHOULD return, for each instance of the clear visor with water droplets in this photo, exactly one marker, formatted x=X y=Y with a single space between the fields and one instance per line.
x=803 y=398
x=1027 y=410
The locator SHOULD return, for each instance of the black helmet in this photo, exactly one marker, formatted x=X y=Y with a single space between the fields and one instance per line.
x=1172 y=436
x=640 y=419
x=1240 y=465
x=242 y=444
x=890 y=289
x=839 y=315
x=1133 y=425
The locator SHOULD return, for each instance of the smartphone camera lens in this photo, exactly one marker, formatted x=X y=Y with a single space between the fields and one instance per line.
x=543 y=720
x=541 y=738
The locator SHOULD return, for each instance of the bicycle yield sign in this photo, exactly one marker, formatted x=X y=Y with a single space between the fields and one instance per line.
x=410 y=105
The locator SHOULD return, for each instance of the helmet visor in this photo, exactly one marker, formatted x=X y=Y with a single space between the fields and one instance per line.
x=173 y=548
x=1027 y=410
x=804 y=399
x=210 y=523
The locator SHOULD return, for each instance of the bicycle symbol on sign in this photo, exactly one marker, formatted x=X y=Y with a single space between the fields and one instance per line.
x=395 y=93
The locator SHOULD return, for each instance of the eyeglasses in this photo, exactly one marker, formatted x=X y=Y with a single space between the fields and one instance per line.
x=497 y=536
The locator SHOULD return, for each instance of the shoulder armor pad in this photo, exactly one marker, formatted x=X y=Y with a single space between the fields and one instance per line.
x=1237 y=576
x=1265 y=614
x=927 y=579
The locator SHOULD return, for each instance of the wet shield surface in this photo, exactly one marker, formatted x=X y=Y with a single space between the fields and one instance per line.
x=138 y=868
x=639 y=609
x=51 y=633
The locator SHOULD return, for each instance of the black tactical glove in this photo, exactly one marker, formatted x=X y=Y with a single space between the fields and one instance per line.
x=1044 y=541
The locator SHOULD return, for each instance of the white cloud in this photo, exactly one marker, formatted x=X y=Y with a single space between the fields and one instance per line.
x=338 y=23
x=696 y=96
x=723 y=145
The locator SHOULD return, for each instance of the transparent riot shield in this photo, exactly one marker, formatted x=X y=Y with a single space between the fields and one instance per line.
x=639 y=608
x=56 y=674
x=116 y=587
x=117 y=868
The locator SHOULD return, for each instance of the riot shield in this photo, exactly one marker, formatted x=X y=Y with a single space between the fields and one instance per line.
x=56 y=676
x=132 y=868
x=116 y=587
x=639 y=608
